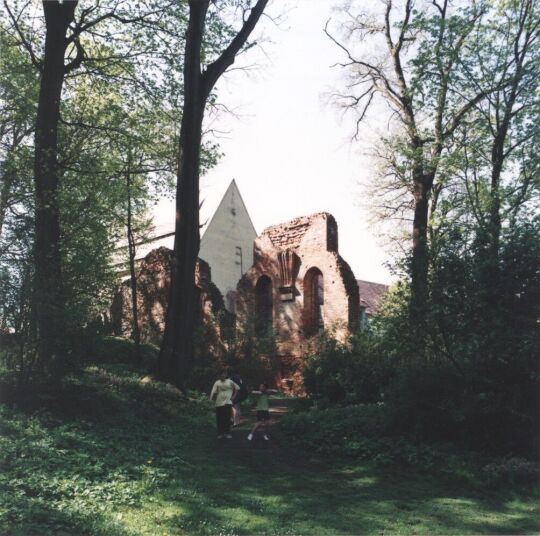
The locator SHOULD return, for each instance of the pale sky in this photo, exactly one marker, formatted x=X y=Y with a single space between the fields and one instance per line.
x=288 y=150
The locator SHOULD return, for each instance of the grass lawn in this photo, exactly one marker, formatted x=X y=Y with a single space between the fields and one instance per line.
x=109 y=454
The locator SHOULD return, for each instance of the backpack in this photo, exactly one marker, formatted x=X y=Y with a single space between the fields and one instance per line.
x=242 y=394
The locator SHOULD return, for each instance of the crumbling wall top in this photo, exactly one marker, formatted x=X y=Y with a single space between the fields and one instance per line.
x=288 y=235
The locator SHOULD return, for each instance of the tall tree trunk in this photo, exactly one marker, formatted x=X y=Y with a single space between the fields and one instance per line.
x=177 y=346
x=135 y=330
x=421 y=259
x=420 y=246
x=5 y=194
x=497 y=161
x=526 y=29
x=49 y=295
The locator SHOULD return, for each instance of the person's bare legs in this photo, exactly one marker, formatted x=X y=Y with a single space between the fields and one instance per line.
x=262 y=425
x=254 y=429
x=237 y=414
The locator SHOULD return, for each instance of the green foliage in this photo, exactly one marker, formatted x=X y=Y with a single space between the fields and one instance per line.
x=208 y=356
x=512 y=471
x=62 y=474
x=476 y=381
x=254 y=358
x=117 y=350
x=349 y=373
x=368 y=432
x=474 y=408
x=120 y=114
x=18 y=94
x=358 y=432
x=109 y=453
x=483 y=343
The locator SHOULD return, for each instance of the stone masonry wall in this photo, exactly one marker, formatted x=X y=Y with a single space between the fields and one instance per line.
x=285 y=253
x=153 y=284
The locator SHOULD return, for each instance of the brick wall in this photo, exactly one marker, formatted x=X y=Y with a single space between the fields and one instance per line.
x=153 y=284
x=299 y=245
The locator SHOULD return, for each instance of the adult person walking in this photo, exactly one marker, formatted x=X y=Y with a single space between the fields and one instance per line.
x=223 y=390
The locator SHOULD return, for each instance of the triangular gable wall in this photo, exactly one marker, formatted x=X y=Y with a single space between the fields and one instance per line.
x=227 y=243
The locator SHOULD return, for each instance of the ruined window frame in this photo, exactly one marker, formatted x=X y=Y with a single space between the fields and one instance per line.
x=313 y=317
x=264 y=305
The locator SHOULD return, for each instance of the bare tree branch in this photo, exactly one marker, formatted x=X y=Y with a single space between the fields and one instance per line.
x=212 y=73
x=25 y=43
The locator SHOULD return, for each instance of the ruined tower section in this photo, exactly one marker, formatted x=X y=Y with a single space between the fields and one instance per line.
x=153 y=282
x=299 y=285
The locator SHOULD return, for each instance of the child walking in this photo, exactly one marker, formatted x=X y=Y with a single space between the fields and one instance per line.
x=263 y=410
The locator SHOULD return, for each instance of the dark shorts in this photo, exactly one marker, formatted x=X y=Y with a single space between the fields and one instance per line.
x=263 y=415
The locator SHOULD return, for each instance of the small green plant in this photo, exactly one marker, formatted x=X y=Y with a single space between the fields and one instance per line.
x=512 y=471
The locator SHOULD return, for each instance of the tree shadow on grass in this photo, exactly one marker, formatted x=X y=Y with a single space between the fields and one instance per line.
x=145 y=451
x=264 y=492
x=71 y=459
x=34 y=517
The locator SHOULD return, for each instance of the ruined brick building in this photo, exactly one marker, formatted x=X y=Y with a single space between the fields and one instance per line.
x=226 y=243
x=153 y=284
x=299 y=285
x=289 y=282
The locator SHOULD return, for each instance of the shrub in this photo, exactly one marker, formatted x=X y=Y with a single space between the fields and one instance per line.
x=466 y=370
x=471 y=407
x=118 y=350
x=367 y=432
x=358 y=432
x=512 y=471
x=254 y=358
x=350 y=373
x=426 y=402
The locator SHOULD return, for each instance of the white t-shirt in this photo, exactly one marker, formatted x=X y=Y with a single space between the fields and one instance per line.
x=224 y=390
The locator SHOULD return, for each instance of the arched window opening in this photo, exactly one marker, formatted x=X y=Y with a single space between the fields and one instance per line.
x=263 y=306
x=313 y=302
